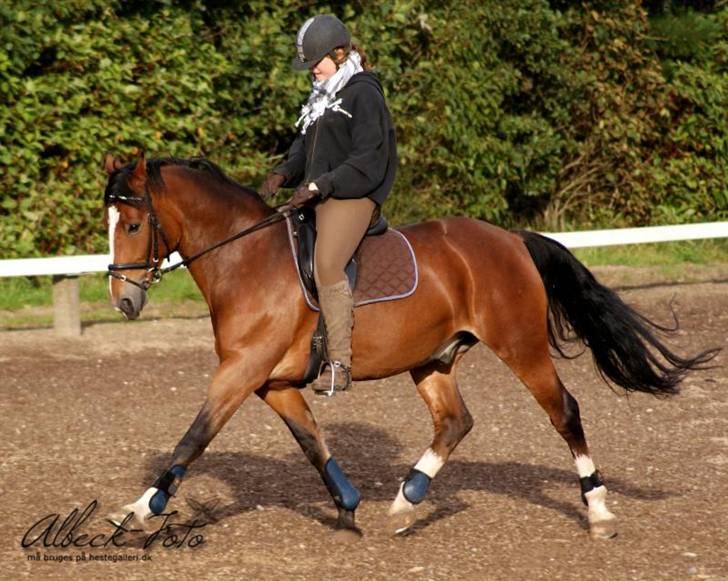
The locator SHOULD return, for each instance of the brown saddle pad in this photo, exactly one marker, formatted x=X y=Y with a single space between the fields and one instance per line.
x=387 y=269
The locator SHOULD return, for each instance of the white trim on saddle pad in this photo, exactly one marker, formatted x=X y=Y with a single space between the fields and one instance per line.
x=310 y=301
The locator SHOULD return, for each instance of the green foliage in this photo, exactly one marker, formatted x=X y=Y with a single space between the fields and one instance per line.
x=80 y=80
x=690 y=168
x=613 y=104
x=513 y=111
x=19 y=292
x=477 y=114
x=686 y=36
x=16 y=292
x=673 y=255
x=27 y=302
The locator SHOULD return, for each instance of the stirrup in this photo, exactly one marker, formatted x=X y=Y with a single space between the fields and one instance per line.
x=340 y=379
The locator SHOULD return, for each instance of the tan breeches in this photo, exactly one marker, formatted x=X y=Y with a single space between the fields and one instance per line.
x=340 y=227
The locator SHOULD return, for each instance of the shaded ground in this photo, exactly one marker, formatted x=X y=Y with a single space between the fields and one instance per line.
x=96 y=417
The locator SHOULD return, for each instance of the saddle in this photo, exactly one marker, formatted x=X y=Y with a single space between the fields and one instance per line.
x=383 y=268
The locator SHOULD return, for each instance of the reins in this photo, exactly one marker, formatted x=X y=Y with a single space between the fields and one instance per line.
x=155 y=230
x=272 y=219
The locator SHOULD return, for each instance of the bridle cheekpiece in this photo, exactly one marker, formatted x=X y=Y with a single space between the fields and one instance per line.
x=152 y=265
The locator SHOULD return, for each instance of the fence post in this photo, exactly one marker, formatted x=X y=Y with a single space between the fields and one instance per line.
x=66 y=306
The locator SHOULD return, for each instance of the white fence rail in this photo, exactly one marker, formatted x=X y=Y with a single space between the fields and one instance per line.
x=643 y=235
x=66 y=269
x=60 y=265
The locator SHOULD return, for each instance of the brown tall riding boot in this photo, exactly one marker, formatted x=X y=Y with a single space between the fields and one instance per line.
x=337 y=307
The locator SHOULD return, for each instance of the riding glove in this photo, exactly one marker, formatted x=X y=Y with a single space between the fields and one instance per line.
x=303 y=194
x=273 y=181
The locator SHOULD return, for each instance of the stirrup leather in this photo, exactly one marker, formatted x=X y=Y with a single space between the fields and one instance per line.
x=340 y=378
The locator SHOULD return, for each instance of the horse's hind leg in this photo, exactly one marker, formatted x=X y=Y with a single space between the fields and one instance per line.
x=536 y=369
x=291 y=406
x=452 y=421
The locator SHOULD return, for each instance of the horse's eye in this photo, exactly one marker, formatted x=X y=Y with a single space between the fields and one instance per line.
x=133 y=228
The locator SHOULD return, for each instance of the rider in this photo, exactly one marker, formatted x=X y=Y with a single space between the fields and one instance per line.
x=344 y=161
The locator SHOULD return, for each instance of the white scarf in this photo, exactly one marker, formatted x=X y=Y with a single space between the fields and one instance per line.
x=323 y=93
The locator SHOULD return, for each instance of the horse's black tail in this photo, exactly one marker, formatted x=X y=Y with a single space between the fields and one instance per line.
x=624 y=343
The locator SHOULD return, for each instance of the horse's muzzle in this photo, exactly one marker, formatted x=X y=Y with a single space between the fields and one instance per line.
x=130 y=301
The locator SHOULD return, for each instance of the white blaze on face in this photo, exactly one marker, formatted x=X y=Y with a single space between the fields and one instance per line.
x=114 y=216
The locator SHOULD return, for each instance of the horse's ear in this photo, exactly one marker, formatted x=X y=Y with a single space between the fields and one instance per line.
x=111 y=163
x=139 y=176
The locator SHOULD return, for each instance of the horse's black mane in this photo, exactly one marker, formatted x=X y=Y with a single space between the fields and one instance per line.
x=118 y=185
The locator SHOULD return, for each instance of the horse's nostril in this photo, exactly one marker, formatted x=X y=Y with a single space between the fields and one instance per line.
x=126 y=305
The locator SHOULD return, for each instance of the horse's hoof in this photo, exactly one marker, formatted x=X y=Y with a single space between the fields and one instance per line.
x=118 y=517
x=605 y=529
x=400 y=522
x=347 y=536
x=130 y=523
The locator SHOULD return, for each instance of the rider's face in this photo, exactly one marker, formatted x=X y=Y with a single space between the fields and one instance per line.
x=324 y=69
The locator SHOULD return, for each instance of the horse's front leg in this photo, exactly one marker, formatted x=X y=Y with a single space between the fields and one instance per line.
x=232 y=383
x=291 y=406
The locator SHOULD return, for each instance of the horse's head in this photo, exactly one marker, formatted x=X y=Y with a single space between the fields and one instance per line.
x=164 y=205
x=135 y=236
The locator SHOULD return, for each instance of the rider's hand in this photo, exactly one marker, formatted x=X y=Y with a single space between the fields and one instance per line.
x=273 y=181
x=303 y=194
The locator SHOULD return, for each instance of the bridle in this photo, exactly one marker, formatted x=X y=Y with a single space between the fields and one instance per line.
x=154 y=273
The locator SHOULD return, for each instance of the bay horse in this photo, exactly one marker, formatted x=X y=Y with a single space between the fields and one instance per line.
x=519 y=293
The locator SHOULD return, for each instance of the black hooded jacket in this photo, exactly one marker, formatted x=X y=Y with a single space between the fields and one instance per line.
x=347 y=157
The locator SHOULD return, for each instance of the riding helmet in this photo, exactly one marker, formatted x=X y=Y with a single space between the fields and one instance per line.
x=319 y=36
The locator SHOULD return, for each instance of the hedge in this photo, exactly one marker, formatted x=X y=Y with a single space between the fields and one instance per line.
x=518 y=111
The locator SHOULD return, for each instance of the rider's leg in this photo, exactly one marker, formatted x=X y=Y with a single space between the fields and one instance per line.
x=340 y=227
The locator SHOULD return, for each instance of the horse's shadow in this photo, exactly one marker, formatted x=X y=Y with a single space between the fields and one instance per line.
x=371 y=458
